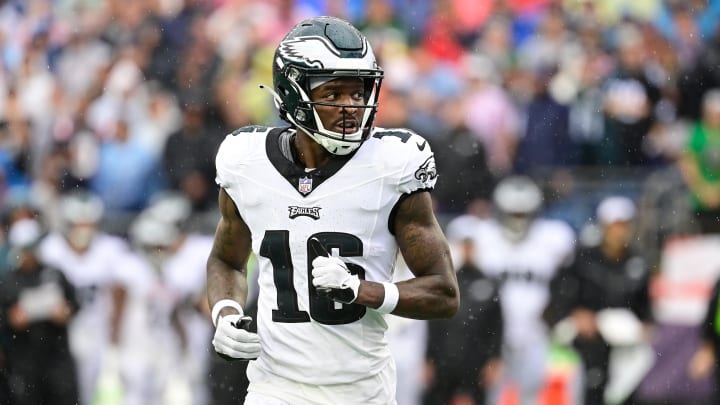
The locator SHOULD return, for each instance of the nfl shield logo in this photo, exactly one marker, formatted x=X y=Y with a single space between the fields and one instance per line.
x=305 y=185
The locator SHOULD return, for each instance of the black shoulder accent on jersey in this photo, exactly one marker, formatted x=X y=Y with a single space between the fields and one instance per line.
x=294 y=173
x=393 y=211
x=250 y=128
x=403 y=134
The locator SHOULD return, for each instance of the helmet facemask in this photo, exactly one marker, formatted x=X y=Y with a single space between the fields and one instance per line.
x=339 y=143
x=81 y=213
x=517 y=200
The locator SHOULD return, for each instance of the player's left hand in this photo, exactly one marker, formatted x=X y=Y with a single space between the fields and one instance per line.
x=332 y=274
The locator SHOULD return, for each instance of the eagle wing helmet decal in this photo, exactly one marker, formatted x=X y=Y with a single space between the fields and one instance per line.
x=311 y=51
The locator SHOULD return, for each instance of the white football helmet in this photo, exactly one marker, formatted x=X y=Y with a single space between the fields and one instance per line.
x=80 y=214
x=158 y=229
x=517 y=200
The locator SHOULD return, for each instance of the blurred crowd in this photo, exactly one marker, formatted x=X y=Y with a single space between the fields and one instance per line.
x=111 y=112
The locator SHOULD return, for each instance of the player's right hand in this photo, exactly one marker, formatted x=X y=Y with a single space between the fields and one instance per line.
x=234 y=342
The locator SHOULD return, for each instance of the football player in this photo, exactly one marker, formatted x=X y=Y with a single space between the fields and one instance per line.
x=165 y=329
x=523 y=252
x=325 y=204
x=93 y=262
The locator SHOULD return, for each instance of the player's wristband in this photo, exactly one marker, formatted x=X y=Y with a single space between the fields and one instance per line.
x=392 y=296
x=224 y=304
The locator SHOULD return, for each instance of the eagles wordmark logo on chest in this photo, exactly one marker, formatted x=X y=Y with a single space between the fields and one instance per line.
x=312 y=212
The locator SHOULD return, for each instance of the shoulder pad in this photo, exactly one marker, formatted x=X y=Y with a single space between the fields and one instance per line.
x=412 y=155
x=401 y=134
x=250 y=128
x=404 y=136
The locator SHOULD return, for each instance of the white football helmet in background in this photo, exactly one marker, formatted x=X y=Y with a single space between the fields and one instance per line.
x=517 y=200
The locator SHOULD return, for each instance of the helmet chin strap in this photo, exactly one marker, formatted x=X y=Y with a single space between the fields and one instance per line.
x=327 y=143
x=331 y=145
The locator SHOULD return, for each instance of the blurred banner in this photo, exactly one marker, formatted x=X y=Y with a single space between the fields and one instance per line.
x=689 y=267
x=680 y=293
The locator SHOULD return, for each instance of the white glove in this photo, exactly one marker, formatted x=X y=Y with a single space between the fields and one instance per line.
x=332 y=275
x=232 y=342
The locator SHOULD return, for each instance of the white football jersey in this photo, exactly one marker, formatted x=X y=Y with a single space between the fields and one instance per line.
x=525 y=270
x=348 y=205
x=92 y=273
x=151 y=343
x=158 y=293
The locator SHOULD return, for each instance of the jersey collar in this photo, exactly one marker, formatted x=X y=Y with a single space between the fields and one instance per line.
x=303 y=182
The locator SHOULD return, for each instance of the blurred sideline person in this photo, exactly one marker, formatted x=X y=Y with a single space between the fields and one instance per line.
x=36 y=304
x=705 y=360
x=407 y=340
x=699 y=167
x=605 y=292
x=326 y=205
x=464 y=353
x=5 y=336
x=165 y=329
x=5 y=394
x=93 y=262
x=522 y=252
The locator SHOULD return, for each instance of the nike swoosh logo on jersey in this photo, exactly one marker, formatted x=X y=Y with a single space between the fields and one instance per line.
x=421 y=146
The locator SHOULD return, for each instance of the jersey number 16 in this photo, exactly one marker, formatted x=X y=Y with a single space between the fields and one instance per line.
x=276 y=247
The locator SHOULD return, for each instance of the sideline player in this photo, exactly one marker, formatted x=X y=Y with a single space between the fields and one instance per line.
x=325 y=205
x=523 y=252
